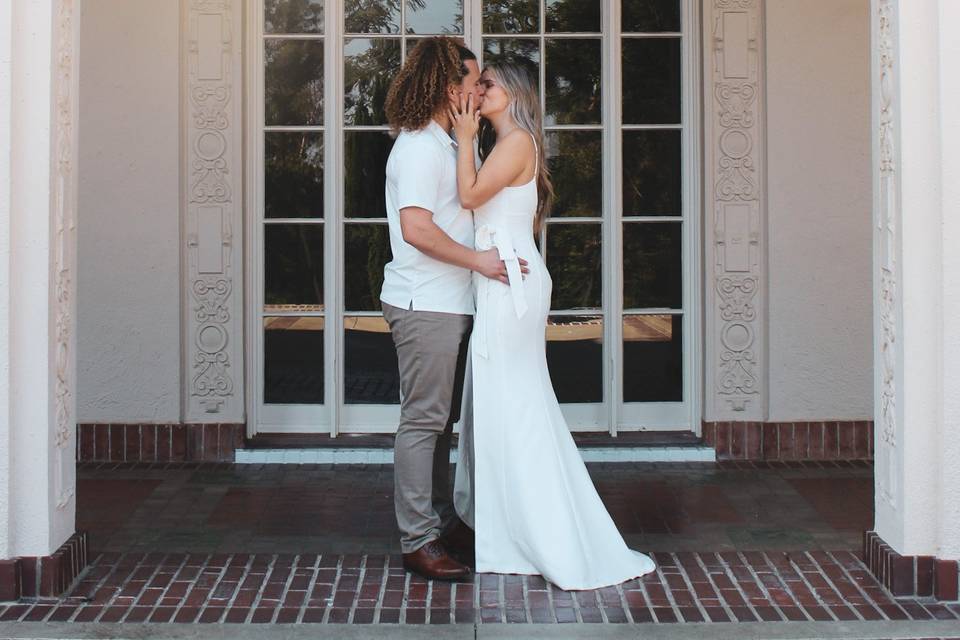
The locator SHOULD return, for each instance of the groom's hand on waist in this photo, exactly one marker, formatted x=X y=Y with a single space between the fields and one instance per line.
x=491 y=266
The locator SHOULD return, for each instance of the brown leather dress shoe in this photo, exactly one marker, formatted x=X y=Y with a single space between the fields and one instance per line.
x=433 y=562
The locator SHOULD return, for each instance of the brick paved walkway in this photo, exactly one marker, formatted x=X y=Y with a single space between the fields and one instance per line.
x=232 y=544
x=362 y=589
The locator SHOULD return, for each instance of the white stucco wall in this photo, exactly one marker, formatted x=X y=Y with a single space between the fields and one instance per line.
x=819 y=199
x=129 y=284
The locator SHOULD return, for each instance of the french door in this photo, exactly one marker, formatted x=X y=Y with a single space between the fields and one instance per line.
x=618 y=86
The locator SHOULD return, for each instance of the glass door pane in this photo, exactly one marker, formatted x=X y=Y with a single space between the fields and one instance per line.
x=653 y=219
x=292 y=217
x=377 y=36
x=559 y=42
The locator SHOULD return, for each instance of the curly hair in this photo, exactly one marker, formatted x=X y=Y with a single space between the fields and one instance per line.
x=420 y=89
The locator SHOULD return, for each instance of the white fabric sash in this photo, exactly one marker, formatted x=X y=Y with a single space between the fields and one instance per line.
x=488 y=236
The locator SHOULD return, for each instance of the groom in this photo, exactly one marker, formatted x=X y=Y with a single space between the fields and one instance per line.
x=427 y=297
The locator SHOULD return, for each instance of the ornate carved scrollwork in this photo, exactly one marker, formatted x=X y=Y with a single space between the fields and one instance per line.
x=735 y=196
x=212 y=379
x=64 y=239
x=212 y=172
x=887 y=220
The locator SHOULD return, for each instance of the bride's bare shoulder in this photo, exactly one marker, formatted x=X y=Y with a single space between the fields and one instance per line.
x=518 y=139
x=516 y=148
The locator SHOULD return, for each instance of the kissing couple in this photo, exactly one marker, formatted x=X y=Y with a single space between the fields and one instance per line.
x=467 y=296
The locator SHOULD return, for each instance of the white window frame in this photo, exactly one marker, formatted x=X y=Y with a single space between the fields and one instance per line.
x=612 y=414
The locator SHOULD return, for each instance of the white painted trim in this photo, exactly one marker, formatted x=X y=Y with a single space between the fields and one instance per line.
x=333 y=268
x=692 y=141
x=613 y=207
x=473 y=28
x=253 y=238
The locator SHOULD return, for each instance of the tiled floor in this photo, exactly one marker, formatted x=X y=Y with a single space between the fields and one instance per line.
x=299 y=509
x=733 y=542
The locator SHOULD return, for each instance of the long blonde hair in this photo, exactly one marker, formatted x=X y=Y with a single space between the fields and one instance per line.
x=525 y=110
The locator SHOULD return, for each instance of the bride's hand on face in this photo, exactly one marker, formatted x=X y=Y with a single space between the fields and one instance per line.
x=465 y=119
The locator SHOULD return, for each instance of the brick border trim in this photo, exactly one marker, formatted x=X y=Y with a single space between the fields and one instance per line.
x=44 y=576
x=820 y=440
x=159 y=442
x=911 y=576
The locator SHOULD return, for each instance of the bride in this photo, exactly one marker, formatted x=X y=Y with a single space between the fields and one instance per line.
x=521 y=483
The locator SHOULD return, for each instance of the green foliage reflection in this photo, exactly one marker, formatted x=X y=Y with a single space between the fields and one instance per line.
x=293 y=89
x=511 y=16
x=293 y=16
x=573 y=258
x=367 y=251
x=293 y=175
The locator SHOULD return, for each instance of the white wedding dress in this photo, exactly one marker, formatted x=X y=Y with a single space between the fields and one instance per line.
x=520 y=481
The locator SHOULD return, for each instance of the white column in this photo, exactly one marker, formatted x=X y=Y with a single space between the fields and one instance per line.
x=949 y=20
x=917 y=275
x=38 y=93
x=6 y=46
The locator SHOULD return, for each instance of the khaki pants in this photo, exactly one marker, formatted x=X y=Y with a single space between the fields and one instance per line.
x=432 y=355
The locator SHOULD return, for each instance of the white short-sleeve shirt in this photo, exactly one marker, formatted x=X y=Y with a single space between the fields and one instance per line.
x=422 y=172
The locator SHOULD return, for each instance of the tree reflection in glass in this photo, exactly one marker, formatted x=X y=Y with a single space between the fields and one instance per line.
x=368 y=67
x=651 y=173
x=365 y=163
x=650 y=16
x=293 y=16
x=651 y=80
x=575 y=159
x=572 y=81
x=293 y=82
x=294 y=264
x=573 y=16
x=520 y=51
x=293 y=174
x=652 y=267
x=371 y=16
x=511 y=16
x=573 y=259
x=367 y=250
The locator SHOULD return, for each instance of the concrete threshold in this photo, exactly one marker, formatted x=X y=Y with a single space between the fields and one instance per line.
x=377 y=455
x=893 y=630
